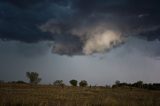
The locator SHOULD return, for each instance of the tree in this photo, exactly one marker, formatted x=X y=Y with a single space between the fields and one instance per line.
x=33 y=77
x=83 y=83
x=117 y=82
x=73 y=82
x=58 y=83
x=138 y=84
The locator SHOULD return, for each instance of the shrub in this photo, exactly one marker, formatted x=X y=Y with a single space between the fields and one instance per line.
x=33 y=77
x=73 y=82
x=83 y=83
x=58 y=83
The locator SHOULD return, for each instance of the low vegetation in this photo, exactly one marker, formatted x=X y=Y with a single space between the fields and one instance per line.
x=49 y=95
x=20 y=93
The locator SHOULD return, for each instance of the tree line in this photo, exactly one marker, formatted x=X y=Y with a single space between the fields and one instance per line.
x=34 y=78
x=138 y=84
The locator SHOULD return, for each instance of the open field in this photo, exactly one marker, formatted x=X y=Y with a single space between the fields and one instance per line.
x=48 y=95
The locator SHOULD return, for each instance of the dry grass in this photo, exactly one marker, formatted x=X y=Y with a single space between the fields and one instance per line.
x=45 y=95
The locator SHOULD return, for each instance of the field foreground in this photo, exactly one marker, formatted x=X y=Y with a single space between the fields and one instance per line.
x=48 y=95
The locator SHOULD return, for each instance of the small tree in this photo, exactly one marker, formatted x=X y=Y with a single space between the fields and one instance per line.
x=58 y=83
x=83 y=83
x=33 y=77
x=73 y=82
x=117 y=82
x=138 y=84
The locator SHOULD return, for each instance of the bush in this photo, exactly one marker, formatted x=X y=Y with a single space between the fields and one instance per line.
x=73 y=82
x=58 y=83
x=17 y=82
x=117 y=82
x=138 y=84
x=83 y=83
x=20 y=82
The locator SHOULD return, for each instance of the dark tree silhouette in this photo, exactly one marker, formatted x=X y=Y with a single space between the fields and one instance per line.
x=73 y=82
x=33 y=77
x=58 y=83
x=117 y=82
x=83 y=83
x=138 y=84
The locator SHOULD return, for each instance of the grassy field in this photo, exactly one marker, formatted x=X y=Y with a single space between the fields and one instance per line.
x=48 y=95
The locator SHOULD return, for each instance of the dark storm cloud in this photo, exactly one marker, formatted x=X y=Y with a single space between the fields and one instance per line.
x=18 y=24
x=132 y=14
x=79 y=26
x=22 y=3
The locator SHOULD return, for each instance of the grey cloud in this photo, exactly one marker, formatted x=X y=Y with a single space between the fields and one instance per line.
x=71 y=24
x=84 y=39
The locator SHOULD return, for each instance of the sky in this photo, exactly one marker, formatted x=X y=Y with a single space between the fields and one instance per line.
x=100 y=41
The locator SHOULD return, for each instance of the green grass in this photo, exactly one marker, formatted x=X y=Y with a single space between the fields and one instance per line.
x=45 y=95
